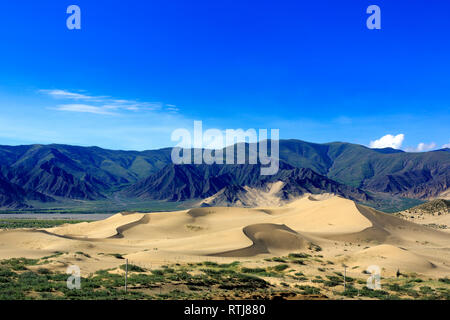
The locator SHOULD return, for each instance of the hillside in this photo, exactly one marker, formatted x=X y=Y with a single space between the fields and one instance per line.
x=14 y=196
x=434 y=213
x=48 y=172
x=184 y=182
x=87 y=173
x=416 y=175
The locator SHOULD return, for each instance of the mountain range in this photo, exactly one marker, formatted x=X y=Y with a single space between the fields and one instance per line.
x=184 y=182
x=46 y=173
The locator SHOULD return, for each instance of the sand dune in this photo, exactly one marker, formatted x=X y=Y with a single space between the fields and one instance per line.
x=249 y=197
x=390 y=259
x=269 y=238
x=111 y=227
x=346 y=233
x=333 y=215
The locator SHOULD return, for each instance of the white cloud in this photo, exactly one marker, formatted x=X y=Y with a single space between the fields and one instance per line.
x=422 y=147
x=425 y=147
x=84 y=108
x=395 y=142
x=447 y=145
x=172 y=107
x=64 y=94
x=101 y=104
x=388 y=141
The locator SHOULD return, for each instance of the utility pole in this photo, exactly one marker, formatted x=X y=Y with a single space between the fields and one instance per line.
x=126 y=274
x=345 y=274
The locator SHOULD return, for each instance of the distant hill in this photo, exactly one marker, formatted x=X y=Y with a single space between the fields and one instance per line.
x=14 y=196
x=387 y=150
x=86 y=173
x=48 y=172
x=434 y=208
x=415 y=175
x=185 y=182
x=434 y=214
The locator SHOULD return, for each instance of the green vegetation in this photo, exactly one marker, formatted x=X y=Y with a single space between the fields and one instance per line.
x=83 y=254
x=281 y=267
x=22 y=278
x=398 y=289
x=278 y=260
x=17 y=281
x=18 y=264
x=33 y=223
x=315 y=247
x=132 y=268
x=68 y=207
x=308 y=290
x=445 y=280
x=253 y=270
x=299 y=255
x=56 y=254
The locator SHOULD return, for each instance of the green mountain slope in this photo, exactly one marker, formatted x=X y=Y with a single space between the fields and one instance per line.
x=92 y=173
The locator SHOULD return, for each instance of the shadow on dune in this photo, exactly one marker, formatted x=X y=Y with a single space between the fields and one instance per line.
x=145 y=219
x=266 y=238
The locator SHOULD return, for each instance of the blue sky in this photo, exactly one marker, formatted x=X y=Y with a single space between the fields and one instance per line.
x=137 y=70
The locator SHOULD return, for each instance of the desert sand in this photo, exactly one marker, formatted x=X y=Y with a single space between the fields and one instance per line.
x=347 y=233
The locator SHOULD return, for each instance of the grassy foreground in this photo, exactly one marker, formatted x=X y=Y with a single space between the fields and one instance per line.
x=30 y=279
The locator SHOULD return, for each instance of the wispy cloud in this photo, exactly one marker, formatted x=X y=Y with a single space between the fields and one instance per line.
x=64 y=94
x=172 y=108
x=388 y=141
x=84 y=108
x=105 y=105
x=425 y=147
x=422 y=147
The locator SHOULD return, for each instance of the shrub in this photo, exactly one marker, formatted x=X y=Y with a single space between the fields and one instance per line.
x=83 y=254
x=277 y=259
x=18 y=264
x=253 y=270
x=309 y=290
x=210 y=264
x=43 y=271
x=132 y=268
x=158 y=272
x=315 y=247
x=426 y=290
x=229 y=265
x=299 y=255
x=280 y=267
